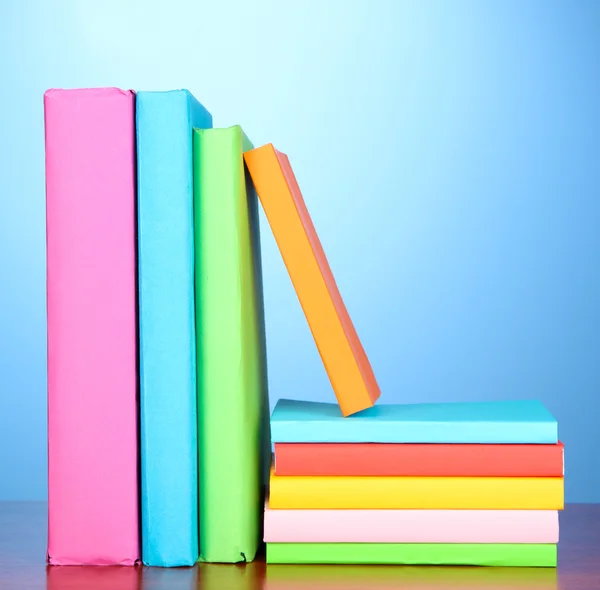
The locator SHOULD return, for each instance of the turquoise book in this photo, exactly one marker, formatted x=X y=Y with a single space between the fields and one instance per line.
x=481 y=422
x=167 y=336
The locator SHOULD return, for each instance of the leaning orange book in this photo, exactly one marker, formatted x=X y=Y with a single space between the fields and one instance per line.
x=341 y=351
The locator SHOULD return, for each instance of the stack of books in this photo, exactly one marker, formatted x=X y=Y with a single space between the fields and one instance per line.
x=459 y=483
x=466 y=483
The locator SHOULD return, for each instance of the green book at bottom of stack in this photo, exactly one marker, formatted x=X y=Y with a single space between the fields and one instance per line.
x=491 y=554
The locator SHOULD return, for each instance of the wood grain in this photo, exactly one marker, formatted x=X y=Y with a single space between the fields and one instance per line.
x=23 y=549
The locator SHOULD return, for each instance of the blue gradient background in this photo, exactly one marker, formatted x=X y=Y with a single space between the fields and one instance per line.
x=449 y=153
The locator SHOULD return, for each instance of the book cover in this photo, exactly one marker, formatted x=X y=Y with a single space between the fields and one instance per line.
x=493 y=422
x=231 y=361
x=341 y=351
x=440 y=460
x=297 y=492
x=92 y=350
x=410 y=526
x=505 y=555
x=168 y=424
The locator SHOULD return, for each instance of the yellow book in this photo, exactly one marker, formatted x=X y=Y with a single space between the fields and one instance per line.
x=443 y=493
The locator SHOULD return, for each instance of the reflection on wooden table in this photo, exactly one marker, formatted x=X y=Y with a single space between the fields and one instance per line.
x=23 y=543
x=280 y=577
x=258 y=576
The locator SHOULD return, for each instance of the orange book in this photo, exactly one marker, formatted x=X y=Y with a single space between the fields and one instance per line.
x=441 y=460
x=342 y=353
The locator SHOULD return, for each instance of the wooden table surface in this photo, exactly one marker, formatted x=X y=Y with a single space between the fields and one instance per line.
x=23 y=546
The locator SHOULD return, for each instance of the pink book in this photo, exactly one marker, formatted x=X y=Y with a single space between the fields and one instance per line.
x=91 y=299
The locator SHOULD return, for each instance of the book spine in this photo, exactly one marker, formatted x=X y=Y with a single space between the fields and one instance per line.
x=91 y=304
x=168 y=423
x=411 y=526
x=299 y=492
x=441 y=460
x=340 y=348
x=483 y=554
x=230 y=347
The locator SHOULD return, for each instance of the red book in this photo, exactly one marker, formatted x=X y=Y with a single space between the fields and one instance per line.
x=443 y=460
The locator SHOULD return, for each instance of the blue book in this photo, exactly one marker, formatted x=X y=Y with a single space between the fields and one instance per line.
x=168 y=424
x=493 y=422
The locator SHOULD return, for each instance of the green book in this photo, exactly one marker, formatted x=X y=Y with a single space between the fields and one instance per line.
x=233 y=411
x=511 y=555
